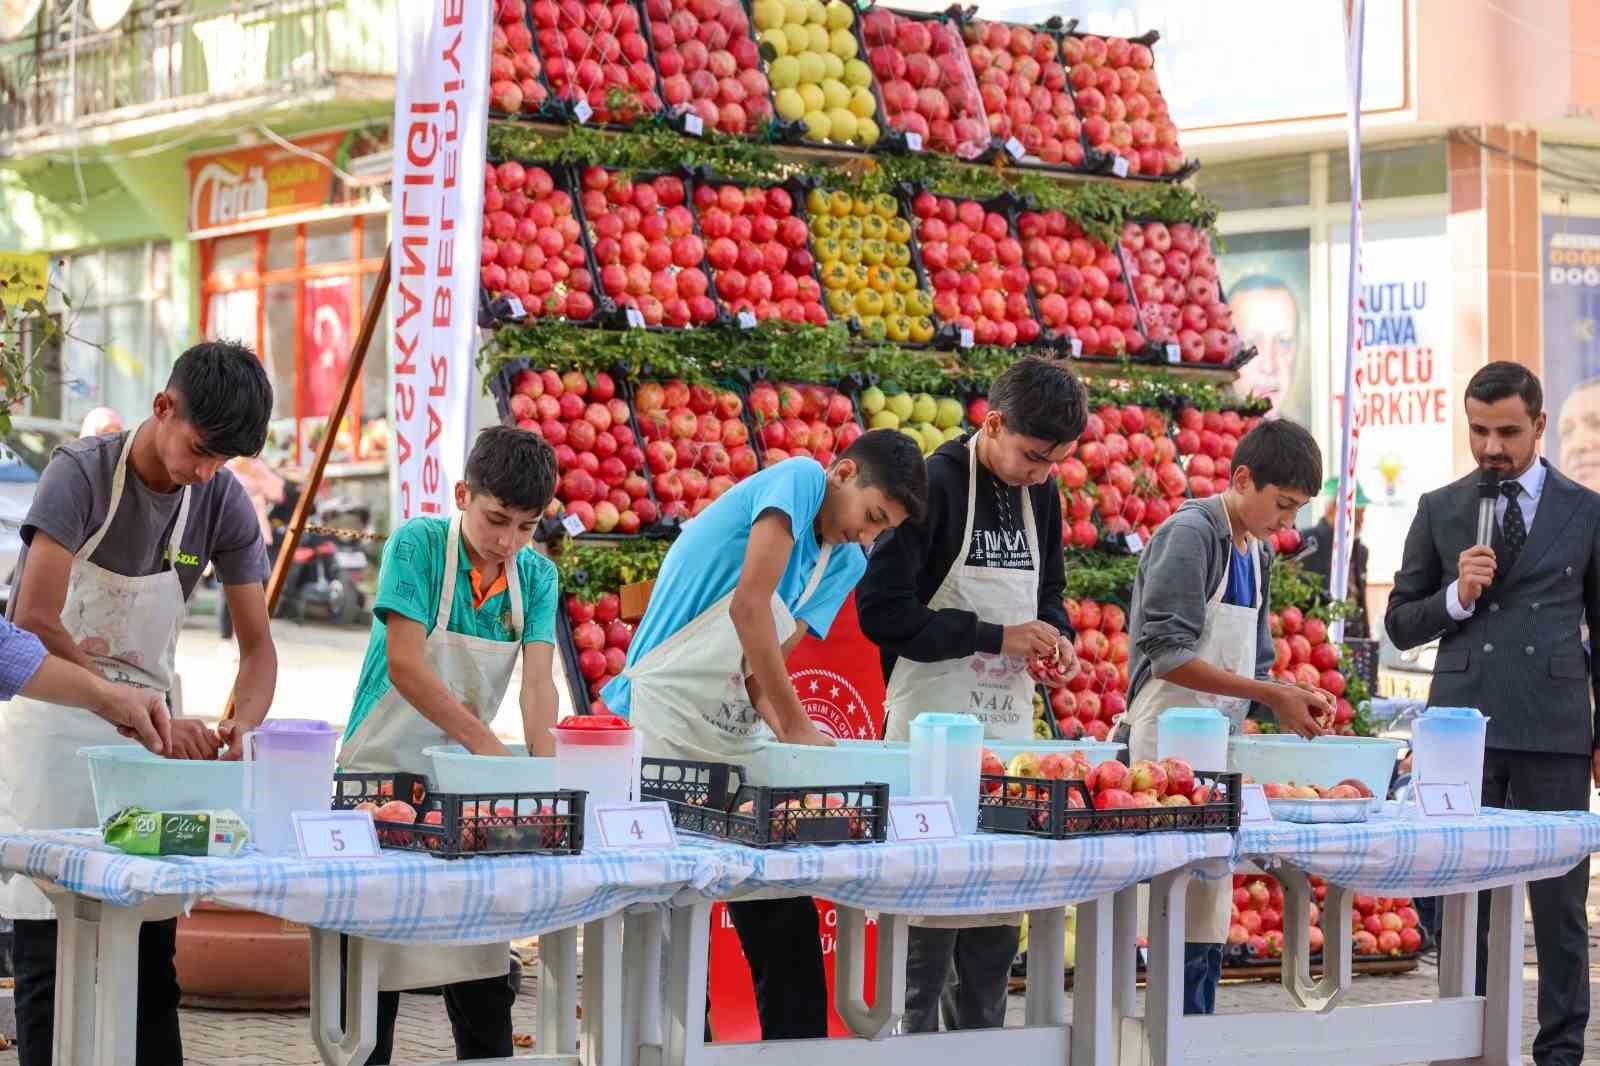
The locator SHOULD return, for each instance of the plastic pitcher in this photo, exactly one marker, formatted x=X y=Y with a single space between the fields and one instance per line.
x=1198 y=735
x=946 y=760
x=288 y=767
x=1447 y=747
x=600 y=754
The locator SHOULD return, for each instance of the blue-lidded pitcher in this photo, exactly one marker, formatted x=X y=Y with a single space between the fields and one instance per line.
x=1447 y=747
x=947 y=760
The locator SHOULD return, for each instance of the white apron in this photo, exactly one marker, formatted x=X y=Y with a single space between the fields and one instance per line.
x=129 y=627
x=996 y=689
x=477 y=671
x=1228 y=642
x=689 y=698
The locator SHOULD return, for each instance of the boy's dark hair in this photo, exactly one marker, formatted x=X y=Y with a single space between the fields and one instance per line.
x=222 y=390
x=1040 y=398
x=889 y=460
x=1281 y=453
x=516 y=467
x=1495 y=381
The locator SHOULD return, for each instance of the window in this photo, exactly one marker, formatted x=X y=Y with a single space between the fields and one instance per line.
x=120 y=343
x=1257 y=184
x=296 y=294
x=1412 y=170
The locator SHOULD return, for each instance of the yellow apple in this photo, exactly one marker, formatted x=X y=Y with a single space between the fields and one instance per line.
x=789 y=104
x=817 y=126
x=843 y=44
x=839 y=16
x=784 y=73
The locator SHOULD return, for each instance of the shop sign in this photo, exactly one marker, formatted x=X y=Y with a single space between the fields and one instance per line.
x=1571 y=296
x=1405 y=365
x=264 y=180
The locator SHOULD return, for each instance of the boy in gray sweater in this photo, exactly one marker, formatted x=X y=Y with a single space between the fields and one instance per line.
x=1200 y=637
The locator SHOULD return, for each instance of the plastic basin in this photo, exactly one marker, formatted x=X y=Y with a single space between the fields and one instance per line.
x=123 y=776
x=852 y=762
x=455 y=769
x=1323 y=762
x=1098 y=751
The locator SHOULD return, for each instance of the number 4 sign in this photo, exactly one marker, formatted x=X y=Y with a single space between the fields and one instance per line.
x=636 y=825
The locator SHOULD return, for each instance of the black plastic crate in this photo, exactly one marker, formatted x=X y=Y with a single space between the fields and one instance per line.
x=711 y=799
x=466 y=824
x=1062 y=809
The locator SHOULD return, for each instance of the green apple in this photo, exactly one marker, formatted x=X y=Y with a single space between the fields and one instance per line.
x=923 y=408
x=931 y=439
x=949 y=413
x=872 y=400
x=901 y=404
x=953 y=433
x=884 y=420
x=784 y=73
x=916 y=438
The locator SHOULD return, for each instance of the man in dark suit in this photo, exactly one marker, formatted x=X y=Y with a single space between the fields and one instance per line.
x=1508 y=616
x=1316 y=554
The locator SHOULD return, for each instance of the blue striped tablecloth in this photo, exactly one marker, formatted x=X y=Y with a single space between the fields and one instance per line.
x=1396 y=854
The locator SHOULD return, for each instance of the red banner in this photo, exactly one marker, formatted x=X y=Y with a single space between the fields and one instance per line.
x=325 y=342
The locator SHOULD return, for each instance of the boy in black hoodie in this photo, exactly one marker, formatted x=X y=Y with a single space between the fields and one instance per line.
x=958 y=605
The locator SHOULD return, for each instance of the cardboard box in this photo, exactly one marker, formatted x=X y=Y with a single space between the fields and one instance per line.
x=635 y=598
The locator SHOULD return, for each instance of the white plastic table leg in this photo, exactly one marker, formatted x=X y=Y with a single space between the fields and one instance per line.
x=1093 y=1022
x=889 y=982
x=1124 y=957
x=1164 y=975
x=347 y=1039
x=77 y=929
x=603 y=1042
x=1458 y=946
x=1502 y=1007
x=557 y=1032
x=641 y=983
x=1324 y=994
x=1046 y=1002
x=687 y=958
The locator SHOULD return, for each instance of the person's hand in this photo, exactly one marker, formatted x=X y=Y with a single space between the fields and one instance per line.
x=1067 y=663
x=1054 y=670
x=139 y=714
x=231 y=732
x=808 y=734
x=1299 y=710
x=1474 y=573
x=191 y=739
x=1030 y=640
x=489 y=745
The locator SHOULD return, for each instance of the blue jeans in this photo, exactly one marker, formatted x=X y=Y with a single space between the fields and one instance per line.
x=1202 y=972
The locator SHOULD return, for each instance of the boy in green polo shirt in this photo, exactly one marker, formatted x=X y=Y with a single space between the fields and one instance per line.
x=424 y=684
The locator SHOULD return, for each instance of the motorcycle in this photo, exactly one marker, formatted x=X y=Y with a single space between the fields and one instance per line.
x=326 y=572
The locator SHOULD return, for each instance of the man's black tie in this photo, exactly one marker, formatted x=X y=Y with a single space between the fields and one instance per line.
x=1513 y=530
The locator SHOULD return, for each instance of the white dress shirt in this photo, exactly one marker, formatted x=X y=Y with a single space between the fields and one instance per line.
x=1532 y=482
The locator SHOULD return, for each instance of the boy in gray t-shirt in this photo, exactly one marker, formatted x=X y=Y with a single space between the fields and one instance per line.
x=148 y=510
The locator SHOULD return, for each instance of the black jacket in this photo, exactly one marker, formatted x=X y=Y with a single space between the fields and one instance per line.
x=907 y=569
x=1317 y=558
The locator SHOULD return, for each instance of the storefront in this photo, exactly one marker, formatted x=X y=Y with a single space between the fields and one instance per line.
x=288 y=246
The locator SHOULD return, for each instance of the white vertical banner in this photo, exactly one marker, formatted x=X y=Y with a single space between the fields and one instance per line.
x=1350 y=428
x=441 y=106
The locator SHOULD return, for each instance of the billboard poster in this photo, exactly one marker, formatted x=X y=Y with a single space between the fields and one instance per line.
x=1407 y=406
x=1571 y=293
x=1267 y=280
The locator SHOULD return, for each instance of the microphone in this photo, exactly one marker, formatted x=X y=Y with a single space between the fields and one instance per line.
x=1488 y=492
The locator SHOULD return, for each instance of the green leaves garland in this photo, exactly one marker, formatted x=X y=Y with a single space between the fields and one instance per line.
x=589 y=571
x=1098 y=577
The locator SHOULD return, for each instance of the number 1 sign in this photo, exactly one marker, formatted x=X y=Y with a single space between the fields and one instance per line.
x=1446 y=801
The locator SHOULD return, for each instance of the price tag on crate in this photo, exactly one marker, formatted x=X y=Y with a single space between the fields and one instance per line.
x=635 y=317
x=1120 y=167
x=335 y=834
x=583 y=111
x=1253 y=806
x=914 y=141
x=1135 y=543
x=1174 y=353
x=1077 y=347
x=635 y=825
x=1014 y=148
x=514 y=307
x=747 y=320
x=966 y=338
x=922 y=819
x=693 y=124
x=572 y=524
x=1453 y=800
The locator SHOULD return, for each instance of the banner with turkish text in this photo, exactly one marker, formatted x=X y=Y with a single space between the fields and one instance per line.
x=1571 y=292
x=440 y=143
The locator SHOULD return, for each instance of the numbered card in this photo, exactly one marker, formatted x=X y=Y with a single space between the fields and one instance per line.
x=1135 y=543
x=635 y=825
x=572 y=524
x=583 y=111
x=335 y=834
x=966 y=338
x=747 y=320
x=1253 y=806
x=1077 y=347
x=1174 y=353
x=923 y=819
x=514 y=307
x=1120 y=167
x=1453 y=800
x=1014 y=148
x=914 y=141
x=635 y=317
x=693 y=124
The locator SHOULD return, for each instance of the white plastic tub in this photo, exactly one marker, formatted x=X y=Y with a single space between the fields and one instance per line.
x=123 y=775
x=455 y=769
x=1322 y=762
x=851 y=762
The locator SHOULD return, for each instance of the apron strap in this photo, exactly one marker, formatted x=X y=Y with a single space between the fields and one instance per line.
x=815 y=580
x=514 y=590
x=118 y=480
x=447 y=592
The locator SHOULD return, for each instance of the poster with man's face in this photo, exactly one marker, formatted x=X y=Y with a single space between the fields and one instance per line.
x=1571 y=376
x=1267 y=279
